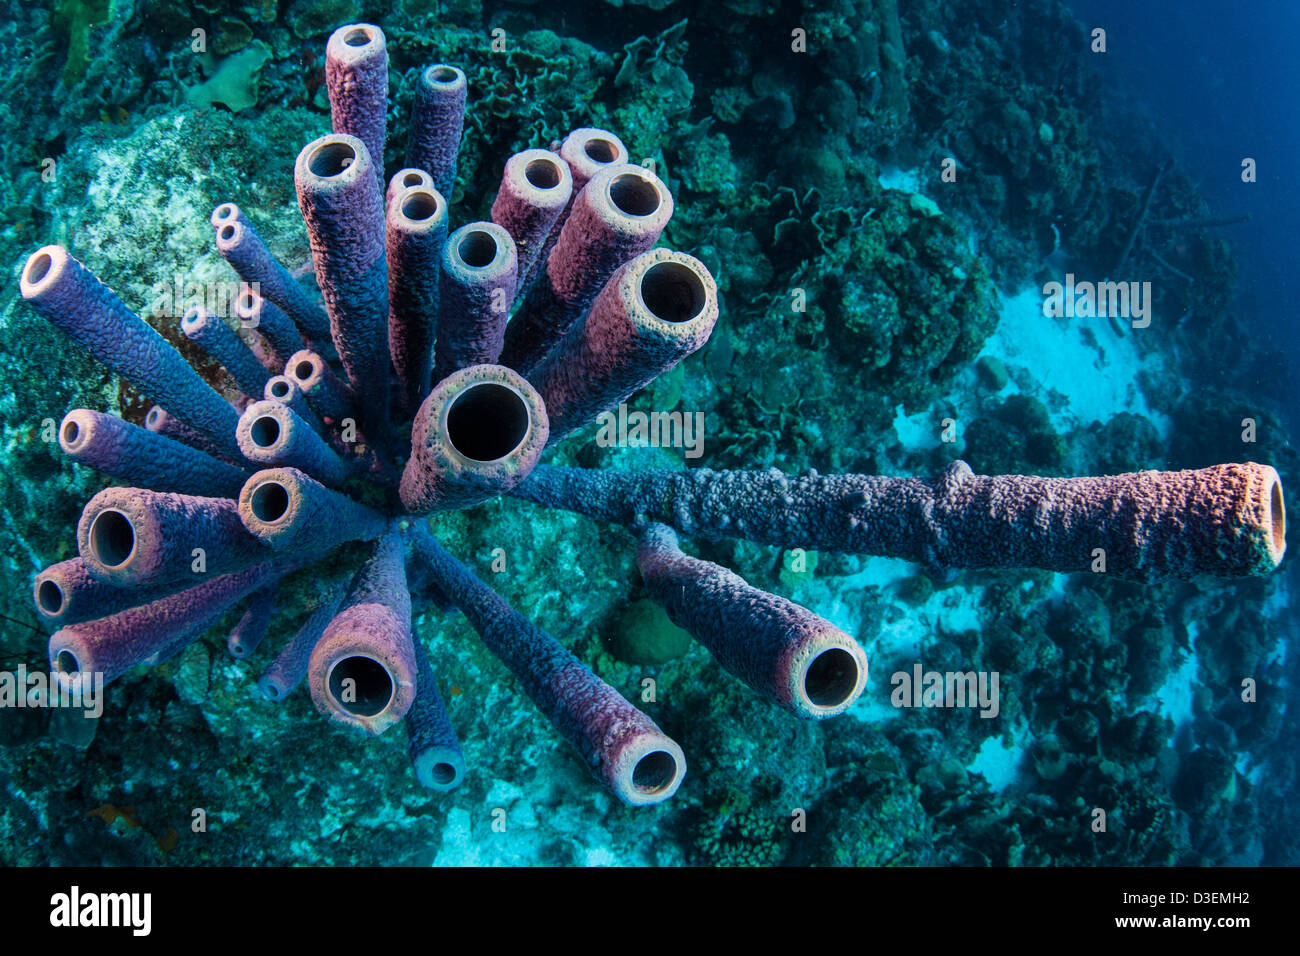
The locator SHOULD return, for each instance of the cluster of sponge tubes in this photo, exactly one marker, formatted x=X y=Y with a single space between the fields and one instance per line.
x=494 y=341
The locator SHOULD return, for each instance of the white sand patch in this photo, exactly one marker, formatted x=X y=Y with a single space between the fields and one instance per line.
x=999 y=764
x=1096 y=374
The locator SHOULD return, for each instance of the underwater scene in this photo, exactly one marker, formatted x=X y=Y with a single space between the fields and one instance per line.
x=647 y=433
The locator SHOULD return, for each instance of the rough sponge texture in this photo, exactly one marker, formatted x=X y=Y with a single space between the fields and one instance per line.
x=153 y=632
x=475 y=299
x=145 y=459
x=436 y=122
x=356 y=75
x=761 y=638
x=416 y=230
x=622 y=346
x=343 y=211
x=1222 y=520
x=75 y=301
x=314 y=519
x=167 y=530
x=433 y=747
x=374 y=622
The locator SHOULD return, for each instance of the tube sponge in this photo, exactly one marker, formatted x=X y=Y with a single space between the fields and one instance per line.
x=619 y=214
x=362 y=672
x=405 y=179
x=434 y=750
x=536 y=189
x=479 y=433
x=290 y=511
x=326 y=392
x=242 y=247
x=153 y=632
x=622 y=746
x=479 y=267
x=290 y=665
x=341 y=204
x=283 y=389
x=130 y=536
x=273 y=434
x=143 y=458
x=271 y=322
x=63 y=291
x=1226 y=520
x=356 y=76
x=245 y=637
x=416 y=229
x=437 y=118
x=67 y=593
x=224 y=346
x=783 y=651
x=655 y=311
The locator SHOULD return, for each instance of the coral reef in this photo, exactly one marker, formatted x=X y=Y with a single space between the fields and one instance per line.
x=1093 y=668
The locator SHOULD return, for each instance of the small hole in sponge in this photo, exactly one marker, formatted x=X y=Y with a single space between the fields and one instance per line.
x=600 y=150
x=50 y=596
x=112 y=538
x=264 y=431
x=653 y=772
x=673 y=292
x=487 y=422
x=542 y=173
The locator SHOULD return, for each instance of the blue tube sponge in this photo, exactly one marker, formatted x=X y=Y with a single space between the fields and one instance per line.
x=142 y=458
x=622 y=746
x=291 y=512
x=416 y=229
x=290 y=665
x=356 y=76
x=224 y=346
x=479 y=267
x=437 y=119
x=245 y=637
x=242 y=247
x=273 y=434
x=63 y=291
x=271 y=322
x=342 y=206
x=434 y=749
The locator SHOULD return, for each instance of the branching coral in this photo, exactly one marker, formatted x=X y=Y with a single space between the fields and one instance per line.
x=419 y=321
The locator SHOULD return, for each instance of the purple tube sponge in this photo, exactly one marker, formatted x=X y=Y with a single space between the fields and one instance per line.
x=362 y=672
x=326 y=392
x=536 y=189
x=434 y=749
x=134 y=537
x=154 y=632
x=478 y=434
x=618 y=215
x=655 y=311
x=242 y=247
x=270 y=321
x=356 y=75
x=160 y=422
x=290 y=511
x=622 y=746
x=143 y=458
x=437 y=118
x=479 y=268
x=342 y=206
x=784 y=651
x=405 y=179
x=272 y=434
x=224 y=346
x=416 y=229
x=1226 y=520
x=245 y=637
x=285 y=391
x=67 y=593
x=63 y=291
x=290 y=665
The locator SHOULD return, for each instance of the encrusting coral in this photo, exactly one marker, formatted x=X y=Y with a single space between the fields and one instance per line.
x=231 y=497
